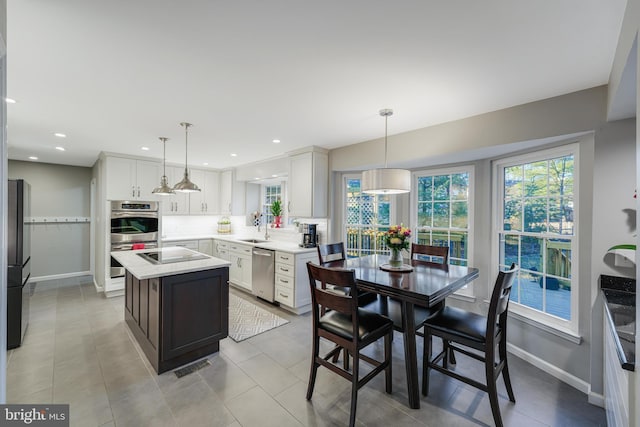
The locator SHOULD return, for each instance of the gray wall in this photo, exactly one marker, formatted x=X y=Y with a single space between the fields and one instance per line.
x=478 y=140
x=57 y=191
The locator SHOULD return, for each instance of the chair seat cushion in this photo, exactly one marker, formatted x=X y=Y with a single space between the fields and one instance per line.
x=459 y=322
x=392 y=309
x=340 y=324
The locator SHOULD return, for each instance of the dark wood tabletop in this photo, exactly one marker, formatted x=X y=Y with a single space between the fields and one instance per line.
x=426 y=285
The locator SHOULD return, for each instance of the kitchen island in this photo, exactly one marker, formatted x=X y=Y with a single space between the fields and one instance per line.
x=176 y=303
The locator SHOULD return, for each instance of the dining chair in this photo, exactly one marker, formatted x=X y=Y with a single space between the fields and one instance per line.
x=331 y=252
x=432 y=255
x=459 y=327
x=349 y=327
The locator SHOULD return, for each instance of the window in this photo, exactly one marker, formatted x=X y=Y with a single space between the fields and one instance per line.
x=367 y=218
x=443 y=212
x=271 y=193
x=536 y=229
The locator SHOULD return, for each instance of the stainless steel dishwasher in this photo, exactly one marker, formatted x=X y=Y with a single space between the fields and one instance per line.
x=263 y=273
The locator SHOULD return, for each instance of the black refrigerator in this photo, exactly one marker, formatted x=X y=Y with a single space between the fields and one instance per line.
x=19 y=261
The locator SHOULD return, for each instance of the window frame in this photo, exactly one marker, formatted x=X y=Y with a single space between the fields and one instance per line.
x=466 y=291
x=568 y=327
x=343 y=211
x=263 y=196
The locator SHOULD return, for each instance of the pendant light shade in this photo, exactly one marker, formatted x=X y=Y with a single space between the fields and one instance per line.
x=386 y=180
x=186 y=186
x=164 y=189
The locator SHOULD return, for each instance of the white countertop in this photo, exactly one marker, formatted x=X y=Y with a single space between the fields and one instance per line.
x=274 y=245
x=143 y=269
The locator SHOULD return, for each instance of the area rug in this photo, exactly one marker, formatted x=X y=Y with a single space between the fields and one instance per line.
x=247 y=319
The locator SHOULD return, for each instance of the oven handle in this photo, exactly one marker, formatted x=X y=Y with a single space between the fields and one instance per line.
x=133 y=214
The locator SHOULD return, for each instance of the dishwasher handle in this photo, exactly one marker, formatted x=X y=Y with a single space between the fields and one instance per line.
x=263 y=252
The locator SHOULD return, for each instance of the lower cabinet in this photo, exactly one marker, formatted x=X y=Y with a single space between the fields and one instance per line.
x=292 y=281
x=178 y=319
x=240 y=270
x=619 y=384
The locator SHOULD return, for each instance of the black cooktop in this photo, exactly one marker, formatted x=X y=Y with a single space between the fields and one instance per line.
x=170 y=255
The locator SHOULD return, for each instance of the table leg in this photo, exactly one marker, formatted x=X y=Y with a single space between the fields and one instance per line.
x=410 y=356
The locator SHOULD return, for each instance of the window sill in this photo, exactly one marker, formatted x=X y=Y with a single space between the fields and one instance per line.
x=463 y=297
x=560 y=332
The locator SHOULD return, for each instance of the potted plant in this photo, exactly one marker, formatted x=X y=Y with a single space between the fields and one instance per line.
x=276 y=211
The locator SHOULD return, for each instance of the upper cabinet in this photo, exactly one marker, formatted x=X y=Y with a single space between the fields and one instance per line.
x=207 y=201
x=232 y=194
x=308 y=184
x=131 y=179
x=176 y=204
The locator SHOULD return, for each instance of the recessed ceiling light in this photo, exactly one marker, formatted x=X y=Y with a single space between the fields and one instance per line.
x=257 y=179
x=274 y=175
x=11 y=101
x=205 y=164
x=60 y=148
x=33 y=158
x=234 y=155
x=60 y=135
x=144 y=148
x=276 y=141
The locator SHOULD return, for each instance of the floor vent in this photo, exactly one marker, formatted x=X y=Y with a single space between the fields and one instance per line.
x=191 y=368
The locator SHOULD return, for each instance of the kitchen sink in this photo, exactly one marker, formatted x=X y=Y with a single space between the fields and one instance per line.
x=253 y=240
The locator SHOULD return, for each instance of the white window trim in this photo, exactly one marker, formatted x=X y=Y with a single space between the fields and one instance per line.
x=343 y=207
x=466 y=291
x=568 y=328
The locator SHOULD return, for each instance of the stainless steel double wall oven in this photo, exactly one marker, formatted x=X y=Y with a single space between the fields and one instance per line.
x=133 y=225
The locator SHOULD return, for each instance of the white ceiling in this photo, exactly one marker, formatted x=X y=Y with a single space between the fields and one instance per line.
x=116 y=75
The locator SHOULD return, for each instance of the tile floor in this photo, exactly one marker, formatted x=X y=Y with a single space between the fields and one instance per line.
x=78 y=351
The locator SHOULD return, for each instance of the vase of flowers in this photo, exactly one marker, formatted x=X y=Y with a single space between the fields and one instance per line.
x=397 y=239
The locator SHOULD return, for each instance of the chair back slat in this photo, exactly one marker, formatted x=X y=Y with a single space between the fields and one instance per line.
x=433 y=252
x=499 y=304
x=320 y=277
x=331 y=252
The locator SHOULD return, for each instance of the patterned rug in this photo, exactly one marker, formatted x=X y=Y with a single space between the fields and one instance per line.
x=247 y=319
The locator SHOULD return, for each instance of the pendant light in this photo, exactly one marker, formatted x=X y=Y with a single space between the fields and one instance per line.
x=186 y=186
x=164 y=189
x=386 y=180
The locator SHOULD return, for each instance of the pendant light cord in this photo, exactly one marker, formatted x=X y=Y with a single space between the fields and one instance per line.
x=385 y=113
x=186 y=145
x=385 y=141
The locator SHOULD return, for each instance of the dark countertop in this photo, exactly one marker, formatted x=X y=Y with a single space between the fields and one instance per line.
x=620 y=303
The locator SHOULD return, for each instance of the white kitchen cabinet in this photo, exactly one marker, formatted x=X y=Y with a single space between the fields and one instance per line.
x=207 y=201
x=131 y=179
x=292 y=281
x=178 y=203
x=240 y=270
x=232 y=194
x=221 y=249
x=189 y=244
x=619 y=384
x=308 y=185
x=205 y=246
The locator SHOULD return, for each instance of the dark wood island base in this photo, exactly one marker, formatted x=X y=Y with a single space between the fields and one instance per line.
x=180 y=318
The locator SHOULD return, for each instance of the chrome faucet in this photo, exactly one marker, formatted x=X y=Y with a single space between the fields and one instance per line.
x=266 y=230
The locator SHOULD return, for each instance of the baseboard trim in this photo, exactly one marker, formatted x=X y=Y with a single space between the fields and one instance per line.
x=550 y=369
x=114 y=293
x=60 y=276
x=98 y=287
x=596 y=399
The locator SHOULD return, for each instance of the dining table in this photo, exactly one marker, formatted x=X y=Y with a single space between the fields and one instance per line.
x=416 y=283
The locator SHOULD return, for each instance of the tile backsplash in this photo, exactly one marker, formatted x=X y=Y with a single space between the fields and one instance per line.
x=192 y=225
